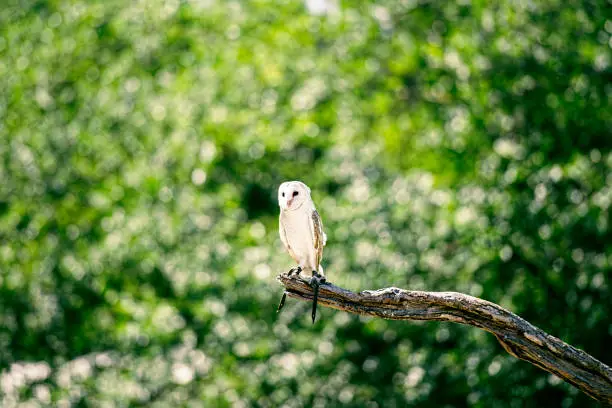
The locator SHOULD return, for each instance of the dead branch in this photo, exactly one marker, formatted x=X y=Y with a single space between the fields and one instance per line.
x=516 y=335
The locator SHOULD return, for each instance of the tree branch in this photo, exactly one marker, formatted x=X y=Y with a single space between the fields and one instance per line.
x=516 y=335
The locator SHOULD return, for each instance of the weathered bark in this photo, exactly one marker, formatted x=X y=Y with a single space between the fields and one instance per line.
x=517 y=336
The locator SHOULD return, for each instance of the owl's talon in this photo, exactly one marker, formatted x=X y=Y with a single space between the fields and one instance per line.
x=297 y=270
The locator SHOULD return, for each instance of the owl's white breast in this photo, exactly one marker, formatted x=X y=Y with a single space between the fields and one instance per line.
x=299 y=237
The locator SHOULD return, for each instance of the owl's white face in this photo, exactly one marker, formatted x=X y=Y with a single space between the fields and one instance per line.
x=292 y=194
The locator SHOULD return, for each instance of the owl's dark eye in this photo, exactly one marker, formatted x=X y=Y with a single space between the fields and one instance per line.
x=295 y=193
x=283 y=194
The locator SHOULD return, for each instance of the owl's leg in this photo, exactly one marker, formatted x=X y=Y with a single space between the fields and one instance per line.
x=315 y=283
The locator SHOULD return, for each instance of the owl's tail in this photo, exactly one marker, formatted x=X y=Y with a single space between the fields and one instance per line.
x=321 y=270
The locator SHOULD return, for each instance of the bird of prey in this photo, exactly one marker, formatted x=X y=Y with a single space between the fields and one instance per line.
x=301 y=231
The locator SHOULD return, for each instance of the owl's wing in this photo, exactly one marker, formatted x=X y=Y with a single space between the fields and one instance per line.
x=318 y=236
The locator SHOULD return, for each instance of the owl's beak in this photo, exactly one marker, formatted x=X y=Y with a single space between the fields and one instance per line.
x=289 y=201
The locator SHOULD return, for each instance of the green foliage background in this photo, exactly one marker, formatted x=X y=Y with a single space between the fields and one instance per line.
x=460 y=146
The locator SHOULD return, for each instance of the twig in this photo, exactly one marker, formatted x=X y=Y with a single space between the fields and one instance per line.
x=516 y=335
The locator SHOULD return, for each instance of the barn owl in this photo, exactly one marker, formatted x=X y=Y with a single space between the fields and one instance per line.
x=301 y=232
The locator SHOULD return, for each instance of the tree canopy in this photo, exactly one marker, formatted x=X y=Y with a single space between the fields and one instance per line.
x=461 y=146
